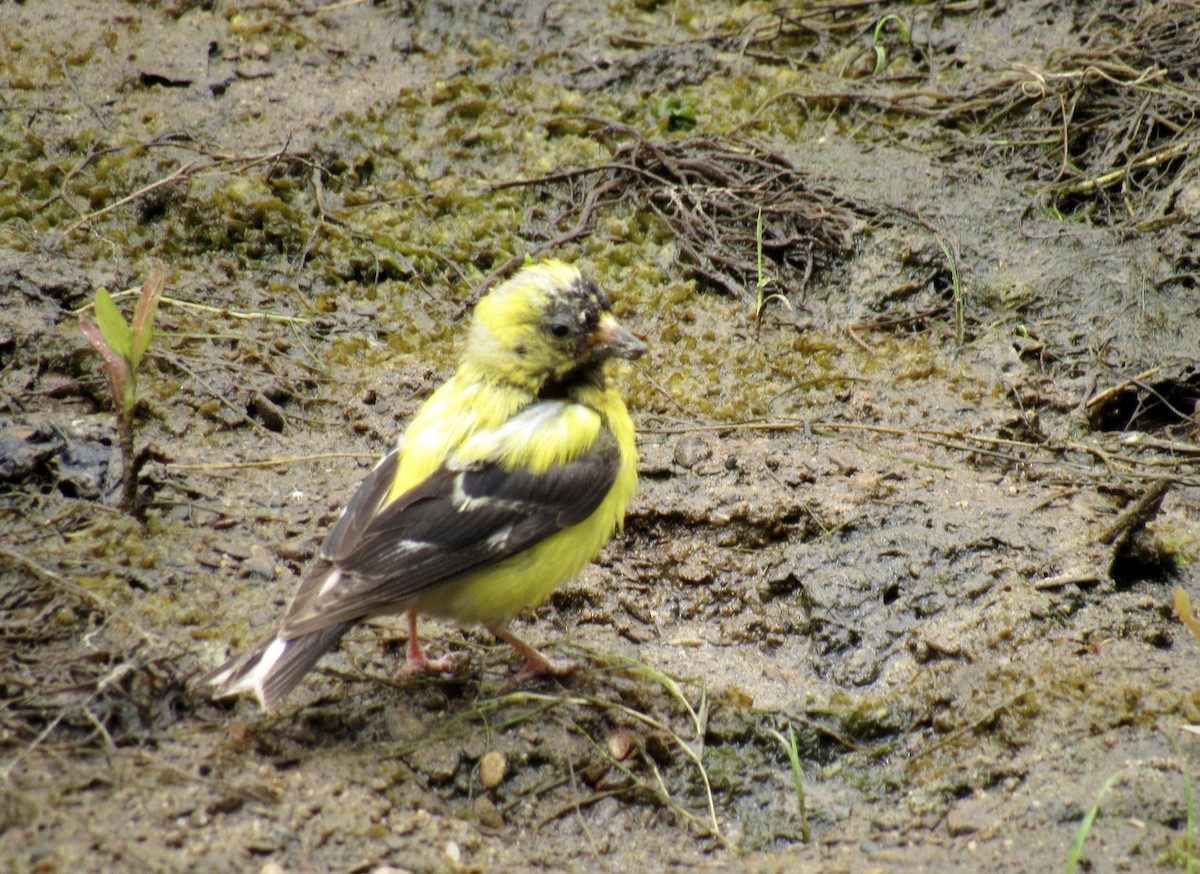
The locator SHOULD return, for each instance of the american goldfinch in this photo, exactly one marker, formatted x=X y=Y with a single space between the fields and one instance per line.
x=506 y=483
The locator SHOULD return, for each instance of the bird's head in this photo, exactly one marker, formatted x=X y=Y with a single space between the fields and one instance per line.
x=545 y=326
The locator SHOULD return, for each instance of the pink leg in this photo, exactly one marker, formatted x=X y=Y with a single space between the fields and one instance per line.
x=536 y=664
x=418 y=662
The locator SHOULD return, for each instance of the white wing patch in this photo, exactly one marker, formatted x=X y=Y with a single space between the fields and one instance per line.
x=497 y=541
x=332 y=579
x=463 y=502
x=406 y=547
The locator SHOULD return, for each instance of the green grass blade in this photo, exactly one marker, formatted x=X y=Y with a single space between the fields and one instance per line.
x=792 y=748
x=1085 y=827
x=1189 y=839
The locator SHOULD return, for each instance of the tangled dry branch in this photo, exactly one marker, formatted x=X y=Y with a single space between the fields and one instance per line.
x=709 y=192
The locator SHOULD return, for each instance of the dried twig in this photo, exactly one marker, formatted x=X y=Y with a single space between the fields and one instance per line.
x=194 y=167
x=709 y=191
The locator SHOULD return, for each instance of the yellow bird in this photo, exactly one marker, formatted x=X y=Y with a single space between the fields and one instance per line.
x=506 y=483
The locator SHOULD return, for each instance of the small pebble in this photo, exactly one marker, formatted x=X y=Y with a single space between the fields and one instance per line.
x=489 y=815
x=942 y=643
x=690 y=450
x=259 y=564
x=492 y=768
x=402 y=725
x=238 y=732
x=620 y=743
x=261 y=50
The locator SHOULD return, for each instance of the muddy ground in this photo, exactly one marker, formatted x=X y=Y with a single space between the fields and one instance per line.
x=923 y=521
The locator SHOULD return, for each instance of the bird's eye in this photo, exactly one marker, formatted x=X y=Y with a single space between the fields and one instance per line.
x=560 y=329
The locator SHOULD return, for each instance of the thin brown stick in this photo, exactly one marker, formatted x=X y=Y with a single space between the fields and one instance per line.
x=267 y=462
x=170 y=178
x=1105 y=395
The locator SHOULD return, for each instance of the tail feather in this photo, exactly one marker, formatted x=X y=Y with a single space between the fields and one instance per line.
x=274 y=666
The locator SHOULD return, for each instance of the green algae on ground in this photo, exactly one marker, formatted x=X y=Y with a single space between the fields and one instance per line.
x=909 y=576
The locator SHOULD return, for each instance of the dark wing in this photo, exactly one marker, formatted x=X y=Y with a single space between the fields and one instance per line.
x=367 y=500
x=456 y=521
x=347 y=531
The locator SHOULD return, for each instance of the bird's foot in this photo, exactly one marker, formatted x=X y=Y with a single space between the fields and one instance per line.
x=537 y=664
x=542 y=666
x=420 y=663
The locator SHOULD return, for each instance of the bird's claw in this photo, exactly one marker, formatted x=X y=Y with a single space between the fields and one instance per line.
x=539 y=667
x=414 y=666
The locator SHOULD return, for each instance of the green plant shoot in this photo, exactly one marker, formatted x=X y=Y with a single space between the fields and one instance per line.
x=764 y=281
x=121 y=346
x=877 y=42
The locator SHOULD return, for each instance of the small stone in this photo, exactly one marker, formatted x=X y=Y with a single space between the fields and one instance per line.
x=620 y=744
x=296 y=549
x=489 y=815
x=440 y=762
x=972 y=814
x=402 y=725
x=260 y=50
x=1187 y=201
x=259 y=564
x=253 y=70
x=690 y=450
x=942 y=643
x=475 y=746
x=492 y=768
